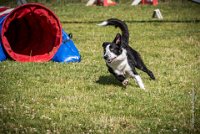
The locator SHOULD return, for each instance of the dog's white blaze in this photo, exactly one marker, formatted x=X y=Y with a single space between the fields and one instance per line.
x=104 y=23
x=109 y=53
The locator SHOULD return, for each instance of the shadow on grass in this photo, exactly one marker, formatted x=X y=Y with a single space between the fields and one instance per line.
x=108 y=80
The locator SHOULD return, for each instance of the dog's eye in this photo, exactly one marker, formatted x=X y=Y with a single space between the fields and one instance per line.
x=111 y=49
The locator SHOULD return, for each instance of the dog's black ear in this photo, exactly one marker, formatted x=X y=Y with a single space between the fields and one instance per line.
x=104 y=44
x=117 y=39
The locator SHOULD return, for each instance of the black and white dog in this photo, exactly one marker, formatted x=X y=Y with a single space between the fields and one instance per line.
x=120 y=58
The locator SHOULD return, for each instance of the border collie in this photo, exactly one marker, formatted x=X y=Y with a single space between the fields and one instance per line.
x=120 y=58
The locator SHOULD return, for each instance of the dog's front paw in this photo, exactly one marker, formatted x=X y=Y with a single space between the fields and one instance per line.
x=125 y=82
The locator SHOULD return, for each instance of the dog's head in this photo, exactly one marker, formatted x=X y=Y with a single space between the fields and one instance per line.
x=112 y=49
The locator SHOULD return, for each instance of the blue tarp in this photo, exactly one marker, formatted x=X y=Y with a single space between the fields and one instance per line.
x=2 y=51
x=67 y=51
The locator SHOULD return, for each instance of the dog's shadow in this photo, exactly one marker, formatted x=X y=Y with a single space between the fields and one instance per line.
x=108 y=80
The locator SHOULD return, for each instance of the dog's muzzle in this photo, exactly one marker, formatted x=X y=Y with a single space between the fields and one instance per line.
x=108 y=60
x=105 y=57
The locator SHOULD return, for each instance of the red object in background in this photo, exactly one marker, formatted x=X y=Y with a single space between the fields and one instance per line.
x=106 y=3
x=31 y=33
x=153 y=2
x=4 y=11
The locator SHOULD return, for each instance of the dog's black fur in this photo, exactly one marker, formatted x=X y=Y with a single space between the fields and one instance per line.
x=116 y=52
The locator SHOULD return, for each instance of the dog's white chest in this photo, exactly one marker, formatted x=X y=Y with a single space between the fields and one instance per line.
x=121 y=66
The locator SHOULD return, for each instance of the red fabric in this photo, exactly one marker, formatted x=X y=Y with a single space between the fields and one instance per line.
x=3 y=9
x=31 y=33
x=106 y=3
x=154 y=2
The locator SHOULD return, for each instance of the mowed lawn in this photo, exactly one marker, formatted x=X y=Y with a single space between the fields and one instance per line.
x=84 y=98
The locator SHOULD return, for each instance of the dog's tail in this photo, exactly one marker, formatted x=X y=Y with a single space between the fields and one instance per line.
x=118 y=23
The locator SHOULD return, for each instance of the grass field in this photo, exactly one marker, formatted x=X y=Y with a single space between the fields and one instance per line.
x=84 y=98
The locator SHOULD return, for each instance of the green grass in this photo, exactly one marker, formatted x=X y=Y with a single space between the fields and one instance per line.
x=84 y=98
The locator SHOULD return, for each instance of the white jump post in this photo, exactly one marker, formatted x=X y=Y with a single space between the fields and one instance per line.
x=157 y=14
x=135 y=2
x=90 y=2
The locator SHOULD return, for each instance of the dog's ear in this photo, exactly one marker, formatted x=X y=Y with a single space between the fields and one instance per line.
x=117 y=39
x=104 y=44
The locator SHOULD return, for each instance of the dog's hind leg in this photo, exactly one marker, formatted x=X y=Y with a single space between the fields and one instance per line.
x=140 y=65
x=150 y=73
x=135 y=56
x=146 y=70
x=137 y=79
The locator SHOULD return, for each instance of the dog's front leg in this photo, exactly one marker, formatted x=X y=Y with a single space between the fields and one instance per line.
x=122 y=79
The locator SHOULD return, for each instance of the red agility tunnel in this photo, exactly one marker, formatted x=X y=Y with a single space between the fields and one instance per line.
x=31 y=33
